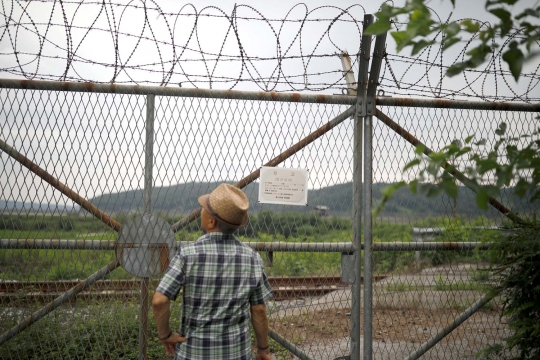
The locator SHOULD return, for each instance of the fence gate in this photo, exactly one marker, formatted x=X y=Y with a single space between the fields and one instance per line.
x=100 y=186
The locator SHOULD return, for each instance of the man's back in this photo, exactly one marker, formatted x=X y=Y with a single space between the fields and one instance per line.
x=222 y=278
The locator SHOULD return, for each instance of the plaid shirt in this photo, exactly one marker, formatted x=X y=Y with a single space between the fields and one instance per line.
x=222 y=278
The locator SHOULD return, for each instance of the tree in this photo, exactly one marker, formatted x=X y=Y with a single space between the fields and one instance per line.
x=515 y=264
x=422 y=31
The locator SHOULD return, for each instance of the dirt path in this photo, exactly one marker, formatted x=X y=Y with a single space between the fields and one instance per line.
x=402 y=320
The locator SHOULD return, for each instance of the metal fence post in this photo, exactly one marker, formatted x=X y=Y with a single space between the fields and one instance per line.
x=356 y=303
x=378 y=53
x=147 y=198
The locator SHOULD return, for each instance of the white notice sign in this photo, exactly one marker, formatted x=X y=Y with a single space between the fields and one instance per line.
x=283 y=186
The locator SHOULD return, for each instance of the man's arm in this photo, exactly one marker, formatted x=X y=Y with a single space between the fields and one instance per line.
x=259 y=320
x=162 y=312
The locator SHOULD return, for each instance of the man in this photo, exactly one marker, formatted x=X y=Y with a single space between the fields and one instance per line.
x=224 y=283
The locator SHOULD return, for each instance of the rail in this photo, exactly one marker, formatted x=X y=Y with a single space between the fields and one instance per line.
x=15 y=293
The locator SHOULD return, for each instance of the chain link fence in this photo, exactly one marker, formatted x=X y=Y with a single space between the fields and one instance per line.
x=75 y=168
x=425 y=292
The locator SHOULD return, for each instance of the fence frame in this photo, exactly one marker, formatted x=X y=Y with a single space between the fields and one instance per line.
x=362 y=191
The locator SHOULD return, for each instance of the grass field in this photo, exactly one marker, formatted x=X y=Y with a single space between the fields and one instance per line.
x=28 y=264
x=109 y=330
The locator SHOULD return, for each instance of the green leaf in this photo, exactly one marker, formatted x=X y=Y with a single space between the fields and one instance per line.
x=487 y=34
x=470 y=26
x=420 y=23
x=481 y=142
x=449 y=42
x=482 y=199
x=506 y=20
x=420 y=45
x=451 y=29
x=501 y=129
x=456 y=69
x=514 y=58
x=450 y=188
x=495 y=2
x=478 y=55
x=402 y=39
x=413 y=186
x=430 y=190
x=379 y=27
x=531 y=41
x=468 y=139
x=528 y=27
x=529 y=12
x=463 y=151
x=411 y=164
x=420 y=148
x=521 y=188
x=438 y=157
x=388 y=191
x=486 y=165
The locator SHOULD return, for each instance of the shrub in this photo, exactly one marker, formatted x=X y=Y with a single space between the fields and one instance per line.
x=516 y=273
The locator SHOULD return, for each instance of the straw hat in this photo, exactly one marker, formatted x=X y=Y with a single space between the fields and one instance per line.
x=228 y=204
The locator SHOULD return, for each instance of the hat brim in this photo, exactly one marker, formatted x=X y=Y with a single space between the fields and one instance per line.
x=203 y=201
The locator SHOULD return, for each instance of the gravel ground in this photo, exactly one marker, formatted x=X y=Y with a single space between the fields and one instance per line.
x=403 y=320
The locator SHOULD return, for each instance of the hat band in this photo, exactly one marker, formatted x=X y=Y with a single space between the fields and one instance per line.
x=216 y=215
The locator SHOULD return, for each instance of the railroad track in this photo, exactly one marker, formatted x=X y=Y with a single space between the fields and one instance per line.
x=18 y=293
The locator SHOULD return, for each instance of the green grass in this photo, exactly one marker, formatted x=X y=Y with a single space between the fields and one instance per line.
x=105 y=331
x=442 y=285
x=93 y=332
x=263 y=227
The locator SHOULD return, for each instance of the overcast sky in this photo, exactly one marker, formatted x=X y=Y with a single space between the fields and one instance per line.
x=95 y=143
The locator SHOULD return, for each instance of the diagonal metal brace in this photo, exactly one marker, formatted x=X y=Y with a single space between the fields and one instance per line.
x=363 y=69
x=378 y=55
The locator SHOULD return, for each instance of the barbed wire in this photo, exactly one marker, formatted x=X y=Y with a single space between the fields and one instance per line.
x=143 y=42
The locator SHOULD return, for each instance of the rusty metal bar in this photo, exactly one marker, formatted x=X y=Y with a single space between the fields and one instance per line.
x=279 y=294
x=259 y=95
x=54 y=244
x=451 y=327
x=133 y=284
x=430 y=246
x=456 y=173
x=293 y=349
x=85 y=204
x=175 y=91
x=343 y=247
x=65 y=297
x=457 y=104
x=276 y=161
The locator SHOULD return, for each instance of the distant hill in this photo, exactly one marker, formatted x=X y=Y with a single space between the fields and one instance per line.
x=182 y=199
x=8 y=206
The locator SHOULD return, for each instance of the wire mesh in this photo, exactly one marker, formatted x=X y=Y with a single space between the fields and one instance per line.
x=426 y=290
x=198 y=143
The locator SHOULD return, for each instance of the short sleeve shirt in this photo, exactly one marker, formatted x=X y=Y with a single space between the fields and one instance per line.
x=222 y=278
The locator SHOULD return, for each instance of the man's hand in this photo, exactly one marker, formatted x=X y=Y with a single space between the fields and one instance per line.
x=170 y=343
x=263 y=355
